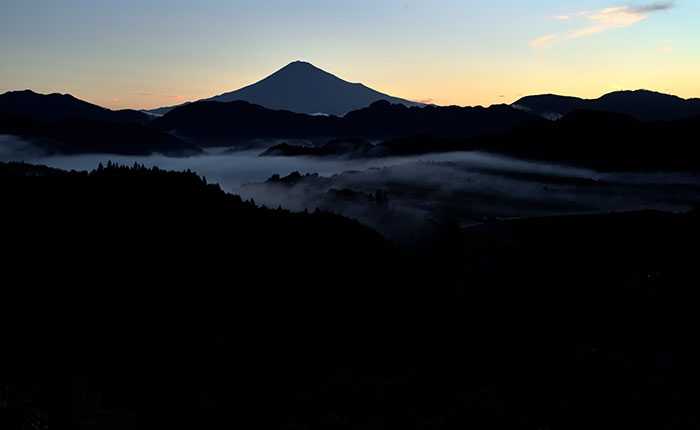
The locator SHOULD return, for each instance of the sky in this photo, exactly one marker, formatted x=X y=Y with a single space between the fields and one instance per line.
x=145 y=54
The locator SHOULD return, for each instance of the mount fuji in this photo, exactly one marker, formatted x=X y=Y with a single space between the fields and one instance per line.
x=302 y=87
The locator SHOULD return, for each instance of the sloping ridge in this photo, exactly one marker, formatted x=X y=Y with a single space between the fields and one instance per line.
x=643 y=105
x=60 y=107
x=214 y=123
x=63 y=124
x=303 y=88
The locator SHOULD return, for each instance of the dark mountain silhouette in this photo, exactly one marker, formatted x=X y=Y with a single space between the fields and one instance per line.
x=221 y=123
x=77 y=135
x=385 y=120
x=641 y=104
x=599 y=140
x=224 y=123
x=303 y=88
x=60 y=107
x=603 y=140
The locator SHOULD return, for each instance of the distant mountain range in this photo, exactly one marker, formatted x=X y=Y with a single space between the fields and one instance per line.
x=303 y=88
x=81 y=136
x=60 y=107
x=599 y=140
x=641 y=104
x=605 y=141
x=62 y=124
x=622 y=130
x=213 y=123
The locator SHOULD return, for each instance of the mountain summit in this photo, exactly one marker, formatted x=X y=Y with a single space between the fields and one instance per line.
x=304 y=88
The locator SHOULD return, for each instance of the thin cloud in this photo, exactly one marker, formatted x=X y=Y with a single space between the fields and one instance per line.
x=586 y=31
x=542 y=41
x=655 y=7
x=610 y=10
x=617 y=17
x=424 y=101
x=623 y=16
x=609 y=18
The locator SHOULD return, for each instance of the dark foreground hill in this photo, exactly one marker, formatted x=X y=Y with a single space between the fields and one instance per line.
x=641 y=104
x=61 y=107
x=136 y=298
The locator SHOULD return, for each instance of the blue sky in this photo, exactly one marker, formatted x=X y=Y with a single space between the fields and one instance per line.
x=151 y=53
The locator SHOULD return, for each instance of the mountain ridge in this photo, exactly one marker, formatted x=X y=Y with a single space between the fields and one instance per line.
x=84 y=136
x=56 y=107
x=644 y=105
x=216 y=123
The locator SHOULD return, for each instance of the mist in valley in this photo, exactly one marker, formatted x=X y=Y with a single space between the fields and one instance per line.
x=407 y=197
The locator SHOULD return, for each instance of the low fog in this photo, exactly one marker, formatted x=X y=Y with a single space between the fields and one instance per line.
x=230 y=169
x=421 y=192
x=468 y=188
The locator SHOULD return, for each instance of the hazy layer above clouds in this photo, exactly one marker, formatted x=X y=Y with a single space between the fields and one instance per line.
x=423 y=191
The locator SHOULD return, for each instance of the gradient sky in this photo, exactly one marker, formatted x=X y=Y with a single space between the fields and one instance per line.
x=152 y=53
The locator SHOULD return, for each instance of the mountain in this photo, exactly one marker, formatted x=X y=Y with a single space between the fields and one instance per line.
x=214 y=123
x=303 y=88
x=217 y=123
x=603 y=141
x=385 y=120
x=63 y=124
x=60 y=107
x=641 y=104
x=84 y=136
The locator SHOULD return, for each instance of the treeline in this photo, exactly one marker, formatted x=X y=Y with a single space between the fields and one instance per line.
x=127 y=275
x=179 y=214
